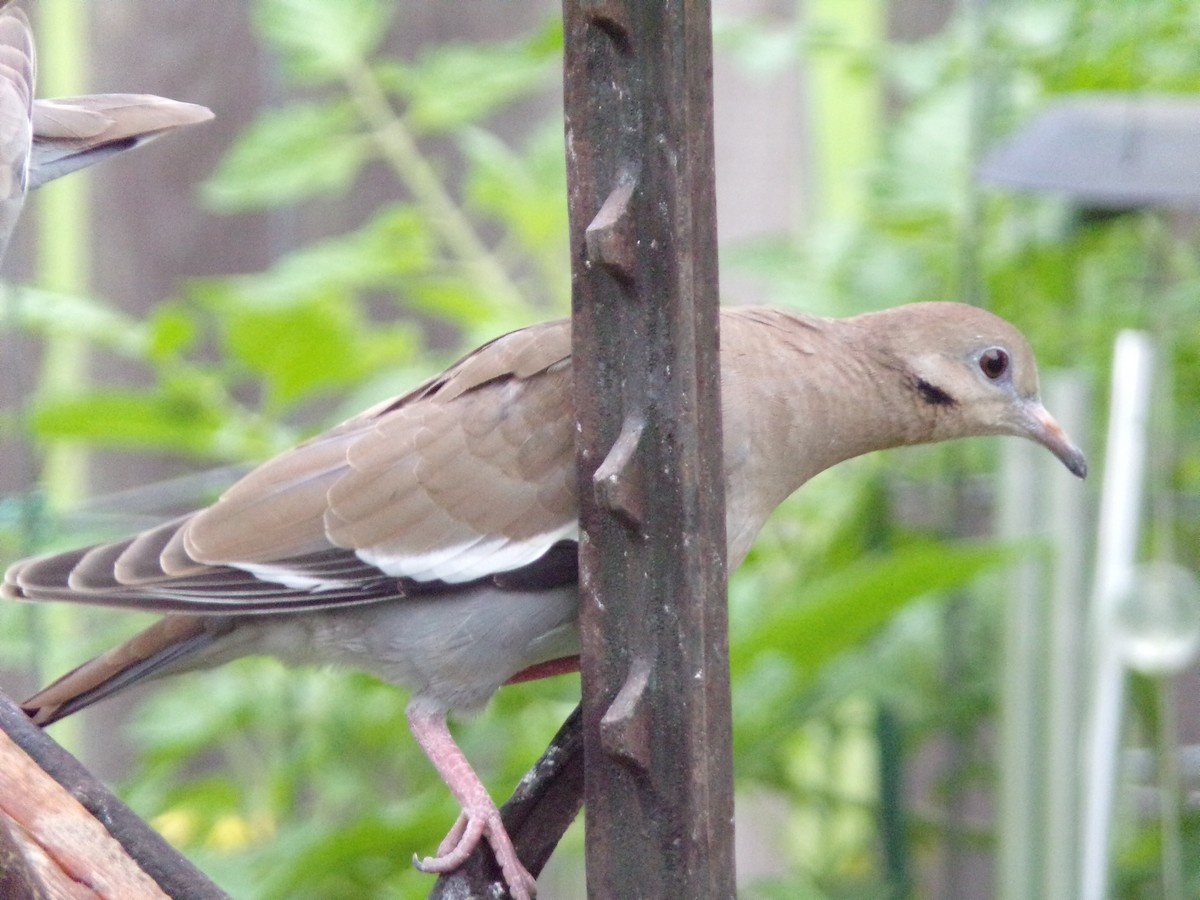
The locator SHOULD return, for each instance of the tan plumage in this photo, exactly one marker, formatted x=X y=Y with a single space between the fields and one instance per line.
x=430 y=539
x=41 y=140
x=70 y=133
x=18 y=71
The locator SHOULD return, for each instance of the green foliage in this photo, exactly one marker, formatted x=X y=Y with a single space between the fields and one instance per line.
x=835 y=612
x=129 y=418
x=841 y=609
x=296 y=756
x=453 y=85
x=319 y=41
x=265 y=784
x=42 y=312
x=236 y=363
x=289 y=155
x=1070 y=279
x=301 y=346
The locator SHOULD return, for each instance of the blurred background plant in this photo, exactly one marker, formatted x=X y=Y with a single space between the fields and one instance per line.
x=865 y=624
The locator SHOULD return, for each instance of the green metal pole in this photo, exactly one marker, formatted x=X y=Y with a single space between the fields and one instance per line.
x=63 y=264
x=64 y=249
x=847 y=103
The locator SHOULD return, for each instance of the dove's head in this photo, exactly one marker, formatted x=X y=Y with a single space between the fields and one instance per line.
x=973 y=374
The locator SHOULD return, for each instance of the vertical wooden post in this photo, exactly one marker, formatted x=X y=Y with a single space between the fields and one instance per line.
x=659 y=793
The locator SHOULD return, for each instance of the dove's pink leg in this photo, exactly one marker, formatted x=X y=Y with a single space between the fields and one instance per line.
x=480 y=818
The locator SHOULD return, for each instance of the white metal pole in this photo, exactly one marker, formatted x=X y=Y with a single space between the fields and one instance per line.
x=1022 y=712
x=1120 y=513
x=1066 y=620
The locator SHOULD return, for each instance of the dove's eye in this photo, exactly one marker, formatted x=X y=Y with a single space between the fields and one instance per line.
x=993 y=362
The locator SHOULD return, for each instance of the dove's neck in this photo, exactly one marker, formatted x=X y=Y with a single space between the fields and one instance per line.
x=800 y=395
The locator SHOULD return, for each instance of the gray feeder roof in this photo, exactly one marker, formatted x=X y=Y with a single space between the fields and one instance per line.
x=1107 y=151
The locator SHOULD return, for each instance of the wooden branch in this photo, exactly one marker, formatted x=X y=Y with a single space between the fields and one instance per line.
x=64 y=835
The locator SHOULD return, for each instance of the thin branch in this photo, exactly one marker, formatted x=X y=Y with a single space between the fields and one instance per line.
x=400 y=151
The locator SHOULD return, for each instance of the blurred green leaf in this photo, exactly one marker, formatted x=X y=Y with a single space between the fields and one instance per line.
x=321 y=40
x=785 y=889
x=289 y=154
x=394 y=246
x=360 y=859
x=115 y=418
x=302 y=345
x=65 y=315
x=172 y=330
x=453 y=85
x=764 y=52
x=839 y=610
x=526 y=193
x=931 y=150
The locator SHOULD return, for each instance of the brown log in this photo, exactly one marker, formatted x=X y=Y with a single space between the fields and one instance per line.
x=52 y=847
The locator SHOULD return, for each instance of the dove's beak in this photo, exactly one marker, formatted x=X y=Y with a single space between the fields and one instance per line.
x=1041 y=427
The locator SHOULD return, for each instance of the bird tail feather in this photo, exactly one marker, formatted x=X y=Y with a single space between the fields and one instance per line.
x=165 y=647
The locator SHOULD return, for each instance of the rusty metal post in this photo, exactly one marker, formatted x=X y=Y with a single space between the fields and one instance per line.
x=659 y=790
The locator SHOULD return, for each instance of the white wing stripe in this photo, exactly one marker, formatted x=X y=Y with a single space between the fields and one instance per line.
x=468 y=560
x=465 y=561
x=291 y=578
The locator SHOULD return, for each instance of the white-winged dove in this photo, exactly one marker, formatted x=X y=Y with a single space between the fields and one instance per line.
x=431 y=539
x=41 y=140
